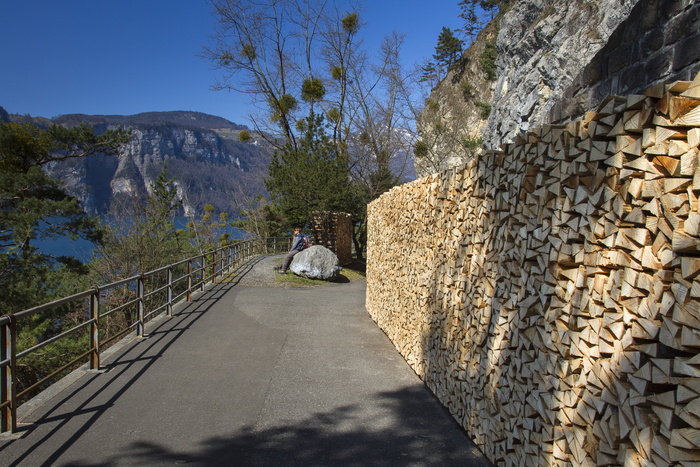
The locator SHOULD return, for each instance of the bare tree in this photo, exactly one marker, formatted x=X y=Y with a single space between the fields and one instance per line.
x=383 y=120
x=272 y=49
x=295 y=57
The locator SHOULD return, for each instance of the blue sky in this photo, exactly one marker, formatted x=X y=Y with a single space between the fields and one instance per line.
x=130 y=56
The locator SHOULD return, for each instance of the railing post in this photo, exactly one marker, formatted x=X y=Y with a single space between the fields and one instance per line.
x=213 y=266
x=229 y=259
x=169 y=291
x=189 y=280
x=95 y=329
x=142 y=305
x=5 y=377
x=8 y=353
x=203 y=272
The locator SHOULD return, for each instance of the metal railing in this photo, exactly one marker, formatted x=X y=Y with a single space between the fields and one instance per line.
x=138 y=298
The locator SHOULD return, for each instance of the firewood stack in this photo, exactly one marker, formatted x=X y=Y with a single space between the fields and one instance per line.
x=334 y=231
x=549 y=293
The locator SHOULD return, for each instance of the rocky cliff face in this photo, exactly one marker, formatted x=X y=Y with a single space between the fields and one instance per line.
x=454 y=115
x=658 y=43
x=542 y=46
x=202 y=154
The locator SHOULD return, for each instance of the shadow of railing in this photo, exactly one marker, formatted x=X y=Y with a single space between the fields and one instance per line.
x=115 y=379
x=137 y=300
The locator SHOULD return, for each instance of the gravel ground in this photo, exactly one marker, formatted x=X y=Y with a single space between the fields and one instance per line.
x=259 y=271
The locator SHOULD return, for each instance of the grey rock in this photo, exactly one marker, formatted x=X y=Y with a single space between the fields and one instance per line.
x=316 y=262
x=543 y=45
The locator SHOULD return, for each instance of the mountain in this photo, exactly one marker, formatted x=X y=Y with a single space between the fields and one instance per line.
x=202 y=153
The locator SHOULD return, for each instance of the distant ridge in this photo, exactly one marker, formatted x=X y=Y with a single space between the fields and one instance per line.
x=185 y=118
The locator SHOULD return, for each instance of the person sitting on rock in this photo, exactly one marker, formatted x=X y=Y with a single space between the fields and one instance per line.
x=300 y=243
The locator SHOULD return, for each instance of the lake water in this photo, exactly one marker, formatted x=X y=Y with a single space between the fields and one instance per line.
x=83 y=250
x=80 y=249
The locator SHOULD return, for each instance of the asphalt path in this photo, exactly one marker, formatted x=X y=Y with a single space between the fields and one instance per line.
x=249 y=373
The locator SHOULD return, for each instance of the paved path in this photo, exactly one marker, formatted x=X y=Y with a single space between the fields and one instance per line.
x=247 y=375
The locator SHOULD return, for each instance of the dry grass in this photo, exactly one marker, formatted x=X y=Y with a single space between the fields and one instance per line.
x=351 y=272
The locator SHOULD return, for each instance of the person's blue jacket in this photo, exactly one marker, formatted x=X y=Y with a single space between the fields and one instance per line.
x=298 y=242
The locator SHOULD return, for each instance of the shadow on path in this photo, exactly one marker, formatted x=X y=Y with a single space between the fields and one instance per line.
x=329 y=438
x=115 y=379
x=248 y=376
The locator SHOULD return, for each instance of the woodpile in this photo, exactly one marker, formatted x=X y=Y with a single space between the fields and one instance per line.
x=334 y=231
x=549 y=293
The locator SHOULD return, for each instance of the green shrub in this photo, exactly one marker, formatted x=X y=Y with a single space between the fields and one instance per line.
x=467 y=90
x=471 y=144
x=420 y=149
x=487 y=60
x=485 y=109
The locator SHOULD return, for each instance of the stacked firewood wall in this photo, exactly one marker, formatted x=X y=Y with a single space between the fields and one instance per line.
x=549 y=294
x=334 y=231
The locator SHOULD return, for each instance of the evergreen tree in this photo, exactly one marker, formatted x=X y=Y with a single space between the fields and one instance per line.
x=472 y=25
x=312 y=177
x=476 y=13
x=35 y=207
x=448 y=49
x=430 y=74
x=493 y=7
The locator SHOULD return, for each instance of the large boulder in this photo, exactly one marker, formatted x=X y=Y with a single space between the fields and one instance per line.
x=316 y=262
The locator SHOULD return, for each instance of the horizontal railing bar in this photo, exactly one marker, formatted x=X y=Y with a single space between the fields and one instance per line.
x=54 y=339
x=119 y=283
x=120 y=307
x=156 y=271
x=198 y=271
x=155 y=311
x=48 y=377
x=184 y=276
x=183 y=261
x=155 y=291
x=182 y=294
x=54 y=304
x=118 y=335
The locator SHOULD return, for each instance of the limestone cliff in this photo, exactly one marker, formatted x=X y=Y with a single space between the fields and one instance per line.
x=202 y=154
x=542 y=45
